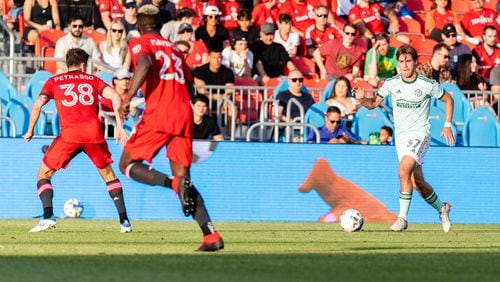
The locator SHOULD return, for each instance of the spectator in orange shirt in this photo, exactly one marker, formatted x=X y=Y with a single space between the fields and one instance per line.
x=265 y=12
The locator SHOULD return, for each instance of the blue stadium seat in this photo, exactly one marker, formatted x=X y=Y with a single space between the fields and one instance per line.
x=315 y=115
x=369 y=121
x=54 y=124
x=106 y=76
x=461 y=108
x=20 y=115
x=437 y=119
x=36 y=83
x=5 y=84
x=482 y=129
x=327 y=92
x=4 y=98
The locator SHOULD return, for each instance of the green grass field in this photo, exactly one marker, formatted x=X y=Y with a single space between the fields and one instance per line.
x=92 y=250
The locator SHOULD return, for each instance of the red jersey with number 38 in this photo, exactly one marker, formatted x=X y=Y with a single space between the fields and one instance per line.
x=77 y=102
x=168 y=107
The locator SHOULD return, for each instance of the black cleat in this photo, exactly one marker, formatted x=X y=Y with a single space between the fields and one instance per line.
x=211 y=243
x=186 y=192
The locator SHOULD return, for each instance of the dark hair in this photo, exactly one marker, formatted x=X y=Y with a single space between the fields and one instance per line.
x=244 y=14
x=76 y=56
x=333 y=109
x=151 y=22
x=344 y=79
x=434 y=5
x=380 y=36
x=284 y=18
x=388 y=129
x=440 y=46
x=407 y=49
x=351 y=26
x=185 y=12
x=488 y=27
x=75 y=17
x=200 y=98
x=465 y=74
x=183 y=42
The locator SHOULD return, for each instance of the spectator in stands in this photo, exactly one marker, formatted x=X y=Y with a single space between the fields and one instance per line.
x=213 y=34
x=385 y=135
x=167 y=9
x=129 y=21
x=245 y=27
x=369 y=19
x=74 y=39
x=477 y=19
x=295 y=90
x=469 y=79
x=342 y=99
x=184 y=47
x=495 y=86
x=270 y=58
x=84 y=8
x=440 y=15
x=285 y=36
x=299 y=11
x=114 y=49
x=205 y=126
x=40 y=15
x=436 y=67
x=321 y=31
x=468 y=76
x=198 y=6
x=213 y=73
x=341 y=56
x=488 y=51
x=110 y=10
x=198 y=52
x=399 y=7
x=457 y=49
x=265 y=12
x=238 y=57
x=170 y=30
x=381 y=61
x=229 y=16
x=333 y=131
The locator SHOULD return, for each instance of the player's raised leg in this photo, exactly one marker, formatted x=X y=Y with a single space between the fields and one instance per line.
x=46 y=193
x=430 y=196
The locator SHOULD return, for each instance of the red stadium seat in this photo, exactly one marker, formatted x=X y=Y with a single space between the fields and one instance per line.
x=423 y=58
x=419 y=5
x=271 y=85
x=95 y=35
x=315 y=87
x=420 y=17
x=460 y=6
x=247 y=101
x=50 y=66
x=424 y=46
x=407 y=24
x=306 y=66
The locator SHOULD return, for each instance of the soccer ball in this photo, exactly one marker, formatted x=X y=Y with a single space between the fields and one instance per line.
x=73 y=208
x=351 y=220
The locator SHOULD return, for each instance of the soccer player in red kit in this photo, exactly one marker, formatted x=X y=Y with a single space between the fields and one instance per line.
x=167 y=121
x=76 y=95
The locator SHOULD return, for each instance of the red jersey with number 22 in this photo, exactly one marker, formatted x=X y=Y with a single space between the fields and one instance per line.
x=77 y=102
x=168 y=107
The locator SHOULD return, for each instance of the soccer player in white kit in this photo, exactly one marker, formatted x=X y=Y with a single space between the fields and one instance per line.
x=411 y=100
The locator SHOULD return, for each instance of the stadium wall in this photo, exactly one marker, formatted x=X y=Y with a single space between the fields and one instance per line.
x=266 y=182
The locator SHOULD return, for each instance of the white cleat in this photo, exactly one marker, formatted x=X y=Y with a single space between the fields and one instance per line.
x=400 y=225
x=44 y=224
x=125 y=227
x=444 y=215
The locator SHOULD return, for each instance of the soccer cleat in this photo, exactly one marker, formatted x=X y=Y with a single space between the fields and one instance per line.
x=444 y=215
x=44 y=224
x=185 y=191
x=126 y=227
x=211 y=243
x=400 y=225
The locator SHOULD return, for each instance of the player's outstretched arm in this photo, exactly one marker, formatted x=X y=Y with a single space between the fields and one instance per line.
x=35 y=115
x=369 y=103
x=446 y=132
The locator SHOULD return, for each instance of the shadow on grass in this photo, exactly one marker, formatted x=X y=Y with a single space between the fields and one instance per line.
x=222 y=266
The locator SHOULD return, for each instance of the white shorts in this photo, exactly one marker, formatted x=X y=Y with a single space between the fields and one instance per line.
x=413 y=144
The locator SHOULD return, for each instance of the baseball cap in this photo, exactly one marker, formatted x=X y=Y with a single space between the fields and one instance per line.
x=239 y=37
x=268 y=28
x=121 y=74
x=185 y=27
x=129 y=4
x=211 y=10
x=449 y=28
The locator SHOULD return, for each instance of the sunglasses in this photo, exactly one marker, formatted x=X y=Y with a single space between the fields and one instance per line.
x=117 y=30
x=299 y=79
x=322 y=15
x=349 y=33
x=130 y=6
x=445 y=56
x=77 y=25
x=184 y=31
x=334 y=121
x=450 y=35
x=213 y=17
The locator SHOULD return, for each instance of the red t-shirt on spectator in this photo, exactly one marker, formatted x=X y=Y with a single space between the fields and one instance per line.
x=340 y=60
x=195 y=56
x=315 y=37
x=370 y=16
x=301 y=19
x=114 y=7
x=475 y=21
x=76 y=95
x=262 y=15
x=486 y=62
x=229 y=17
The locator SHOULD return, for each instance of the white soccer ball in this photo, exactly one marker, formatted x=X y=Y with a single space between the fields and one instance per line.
x=73 y=208
x=351 y=220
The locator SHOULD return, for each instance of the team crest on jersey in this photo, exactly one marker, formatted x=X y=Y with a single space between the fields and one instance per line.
x=418 y=93
x=136 y=48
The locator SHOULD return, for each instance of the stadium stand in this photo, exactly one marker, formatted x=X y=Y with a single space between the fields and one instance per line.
x=315 y=115
x=369 y=121
x=482 y=129
x=35 y=83
x=437 y=119
x=461 y=108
